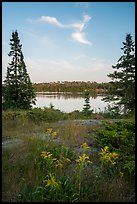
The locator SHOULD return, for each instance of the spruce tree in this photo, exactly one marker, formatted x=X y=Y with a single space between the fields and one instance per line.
x=18 y=92
x=86 y=108
x=123 y=80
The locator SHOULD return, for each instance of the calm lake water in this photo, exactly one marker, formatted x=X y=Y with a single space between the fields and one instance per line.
x=69 y=102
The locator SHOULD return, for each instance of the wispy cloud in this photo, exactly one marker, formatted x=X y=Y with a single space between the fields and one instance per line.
x=51 y=20
x=54 y=68
x=78 y=34
x=80 y=37
x=82 y=24
x=64 y=69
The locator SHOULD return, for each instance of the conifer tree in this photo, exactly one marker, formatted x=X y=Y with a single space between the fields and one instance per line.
x=86 y=108
x=123 y=80
x=18 y=92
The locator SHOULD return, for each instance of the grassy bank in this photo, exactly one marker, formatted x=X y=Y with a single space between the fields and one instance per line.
x=66 y=161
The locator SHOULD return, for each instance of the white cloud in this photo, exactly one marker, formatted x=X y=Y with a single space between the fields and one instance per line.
x=48 y=65
x=49 y=70
x=53 y=21
x=80 y=37
x=86 y=18
x=82 y=24
x=92 y=69
x=50 y=20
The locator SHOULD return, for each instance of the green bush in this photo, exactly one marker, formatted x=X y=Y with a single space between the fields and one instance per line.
x=119 y=137
x=46 y=114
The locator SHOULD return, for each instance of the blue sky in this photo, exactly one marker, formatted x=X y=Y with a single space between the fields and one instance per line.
x=67 y=41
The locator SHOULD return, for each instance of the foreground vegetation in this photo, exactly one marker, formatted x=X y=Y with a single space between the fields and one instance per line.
x=47 y=156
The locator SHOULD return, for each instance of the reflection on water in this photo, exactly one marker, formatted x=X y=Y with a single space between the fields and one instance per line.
x=64 y=95
x=68 y=102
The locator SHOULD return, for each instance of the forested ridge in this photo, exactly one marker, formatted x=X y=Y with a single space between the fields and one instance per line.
x=73 y=86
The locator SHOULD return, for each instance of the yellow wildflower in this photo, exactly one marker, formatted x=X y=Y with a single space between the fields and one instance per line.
x=48 y=182
x=54 y=134
x=105 y=149
x=65 y=159
x=68 y=160
x=46 y=154
x=85 y=146
x=52 y=182
x=82 y=158
x=108 y=156
x=59 y=164
x=49 y=130
x=114 y=155
x=54 y=159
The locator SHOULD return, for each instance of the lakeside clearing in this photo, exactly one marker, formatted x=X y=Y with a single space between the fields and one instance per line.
x=72 y=159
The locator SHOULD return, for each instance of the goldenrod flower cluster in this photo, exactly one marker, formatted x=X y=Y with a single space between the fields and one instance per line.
x=65 y=159
x=107 y=156
x=58 y=163
x=49 y=130
x=85 y=146
x=52 y=134
x=46 y=155
x=83 y=158
x=51 y=182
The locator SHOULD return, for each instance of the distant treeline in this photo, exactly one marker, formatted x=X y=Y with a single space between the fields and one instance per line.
x=75 y=86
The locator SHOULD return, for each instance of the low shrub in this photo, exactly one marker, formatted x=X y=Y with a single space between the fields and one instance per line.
x=120 y=137
x=46 y=114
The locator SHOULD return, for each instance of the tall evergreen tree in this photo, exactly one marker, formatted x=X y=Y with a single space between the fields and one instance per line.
x=123 y=79
x=18 y=92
